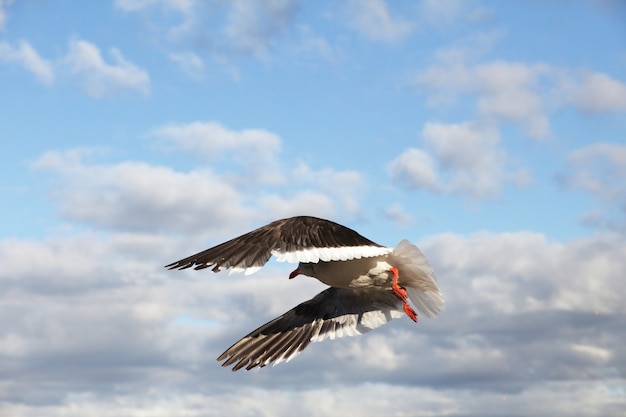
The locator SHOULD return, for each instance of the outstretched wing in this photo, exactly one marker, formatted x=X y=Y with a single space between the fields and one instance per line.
x=296 y=239
x=333 y=313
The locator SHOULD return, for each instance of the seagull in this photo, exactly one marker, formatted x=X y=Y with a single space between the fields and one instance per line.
x=370 y=284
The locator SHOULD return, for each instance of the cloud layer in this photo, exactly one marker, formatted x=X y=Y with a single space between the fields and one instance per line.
x=489 y=137
x=523 y=318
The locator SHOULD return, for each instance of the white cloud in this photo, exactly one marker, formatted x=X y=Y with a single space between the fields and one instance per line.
x=185 y=6
x=226 y=31
x=137 y=196
x=596 y=93
x=84 y=61
x=398 y=215
x=447 y=12
x=457 y=158
x=345 y=186
x=464 y=147
x=505 y=91
x=252 y=25
x=99 y=78
x=576 y=399
x=307 y=202
x=187 y=10
x=105 y=339
x=414 y=168
x=387 y=358
x=372 y=19
x=26 y=56
x=190 y=63
x=444 y=11
x=211 y=140
x=312 y=45
x=580 y=275
x=256 y=150
x=600 y=169
x=4 y=5
x=510 y=91
x=470 y=154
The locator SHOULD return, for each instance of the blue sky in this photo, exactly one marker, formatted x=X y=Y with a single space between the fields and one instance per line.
x=136 y=132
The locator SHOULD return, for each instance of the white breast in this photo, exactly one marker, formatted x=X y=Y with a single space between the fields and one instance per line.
x=355 y=273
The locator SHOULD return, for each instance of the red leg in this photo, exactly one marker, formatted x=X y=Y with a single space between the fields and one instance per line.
x=410 y=312
x=400 y=292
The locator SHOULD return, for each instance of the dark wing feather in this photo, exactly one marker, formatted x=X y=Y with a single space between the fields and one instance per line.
x=254 y=249
x=333 y=313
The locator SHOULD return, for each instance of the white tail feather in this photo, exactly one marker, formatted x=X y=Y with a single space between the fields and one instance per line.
x=418 y=277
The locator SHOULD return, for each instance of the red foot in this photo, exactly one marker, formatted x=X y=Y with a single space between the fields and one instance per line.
x=400 y=292
x=410 y=312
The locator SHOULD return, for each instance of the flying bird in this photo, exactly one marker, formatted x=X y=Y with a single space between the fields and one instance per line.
x=370 y=284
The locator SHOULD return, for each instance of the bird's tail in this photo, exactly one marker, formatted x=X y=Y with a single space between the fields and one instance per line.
x=418 y=277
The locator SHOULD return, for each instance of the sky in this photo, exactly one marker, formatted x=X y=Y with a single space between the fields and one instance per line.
x=134 y=133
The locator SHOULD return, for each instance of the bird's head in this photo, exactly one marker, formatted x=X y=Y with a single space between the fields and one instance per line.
x=307 y=269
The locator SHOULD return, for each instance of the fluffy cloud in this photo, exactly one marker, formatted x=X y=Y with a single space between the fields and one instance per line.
x=469 y=153
x=135 y=196
x=414 y=168
x=212 y=141
x=504 y=91
x=313 y=45
x=397 y=214
x=83 y=61
x=140 y=197
x=26 y=56
x=345 y=186
x=599 y=169
x=190 y=63
x=186 y=13
x=108 y=315
x=4 y=4
x=446 y=12
x=236 y=27
x=510 y=92
x=373 y=20
x=138 y=5
x=258 y=152
x=254 y=150
x=457 y=158
x=114 y=333
x=251 y=25
x=99 y=78
x=540 y=276
x=367 y=400
x=595 y=92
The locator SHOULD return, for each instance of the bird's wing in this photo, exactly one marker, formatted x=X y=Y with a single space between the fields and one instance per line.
x=296 y=239
x=333 y=313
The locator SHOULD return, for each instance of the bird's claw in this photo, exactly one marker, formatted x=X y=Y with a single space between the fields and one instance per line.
x=401 y=293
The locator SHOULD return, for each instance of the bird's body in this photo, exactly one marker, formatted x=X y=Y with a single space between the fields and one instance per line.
x=370 y=284
x=355 y=273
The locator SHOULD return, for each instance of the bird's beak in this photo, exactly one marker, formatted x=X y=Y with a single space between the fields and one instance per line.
x=294 y=274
